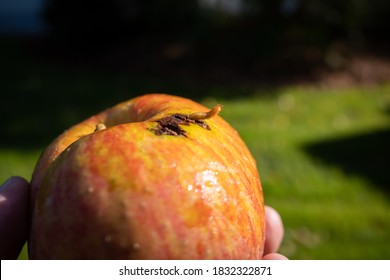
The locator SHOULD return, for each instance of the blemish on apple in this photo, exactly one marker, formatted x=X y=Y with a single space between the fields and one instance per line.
x=108 y=238
x=136 y=246
x=171 y=125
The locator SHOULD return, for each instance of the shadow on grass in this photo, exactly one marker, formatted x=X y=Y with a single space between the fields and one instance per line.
x=366 y=155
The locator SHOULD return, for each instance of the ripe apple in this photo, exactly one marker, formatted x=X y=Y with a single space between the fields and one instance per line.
x=156 y=177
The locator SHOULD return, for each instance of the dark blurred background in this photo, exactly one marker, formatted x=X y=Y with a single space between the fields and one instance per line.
x=254 y=41
x=54 y=51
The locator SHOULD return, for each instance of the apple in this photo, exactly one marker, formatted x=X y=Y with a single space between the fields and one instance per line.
x=156 y=177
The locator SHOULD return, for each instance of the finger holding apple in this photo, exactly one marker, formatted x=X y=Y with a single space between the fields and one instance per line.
x=156 y=177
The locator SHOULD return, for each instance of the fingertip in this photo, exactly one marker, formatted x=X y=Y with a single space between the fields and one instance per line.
x=14 y=183
x=14 y=217
x=274 y=230
x=273 y=217
x=275 y=256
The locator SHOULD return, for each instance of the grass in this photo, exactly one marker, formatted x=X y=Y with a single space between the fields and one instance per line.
x=323 y=155
x=329 y=211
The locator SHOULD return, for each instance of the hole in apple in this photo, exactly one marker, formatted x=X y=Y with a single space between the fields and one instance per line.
x=171 y=125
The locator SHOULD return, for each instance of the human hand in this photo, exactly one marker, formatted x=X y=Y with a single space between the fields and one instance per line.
x=14 y=222
x=274 y=233
x=14 y=217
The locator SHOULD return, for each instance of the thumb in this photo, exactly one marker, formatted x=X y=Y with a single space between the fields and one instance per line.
x=14 y=217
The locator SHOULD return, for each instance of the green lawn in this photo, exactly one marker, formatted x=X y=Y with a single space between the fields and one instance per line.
x=332 y=207
x=323 y=155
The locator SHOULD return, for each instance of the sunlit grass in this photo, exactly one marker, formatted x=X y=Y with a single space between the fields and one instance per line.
x=327 y=213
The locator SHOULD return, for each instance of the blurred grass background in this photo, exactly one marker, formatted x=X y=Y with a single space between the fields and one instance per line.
x=312 y=104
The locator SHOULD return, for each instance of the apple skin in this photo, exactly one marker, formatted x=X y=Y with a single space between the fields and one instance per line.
x=126 y=193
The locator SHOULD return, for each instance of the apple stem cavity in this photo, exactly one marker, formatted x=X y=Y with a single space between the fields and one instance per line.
x=206 y=115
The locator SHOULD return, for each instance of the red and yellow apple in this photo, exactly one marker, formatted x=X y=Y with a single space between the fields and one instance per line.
x=156 y=177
